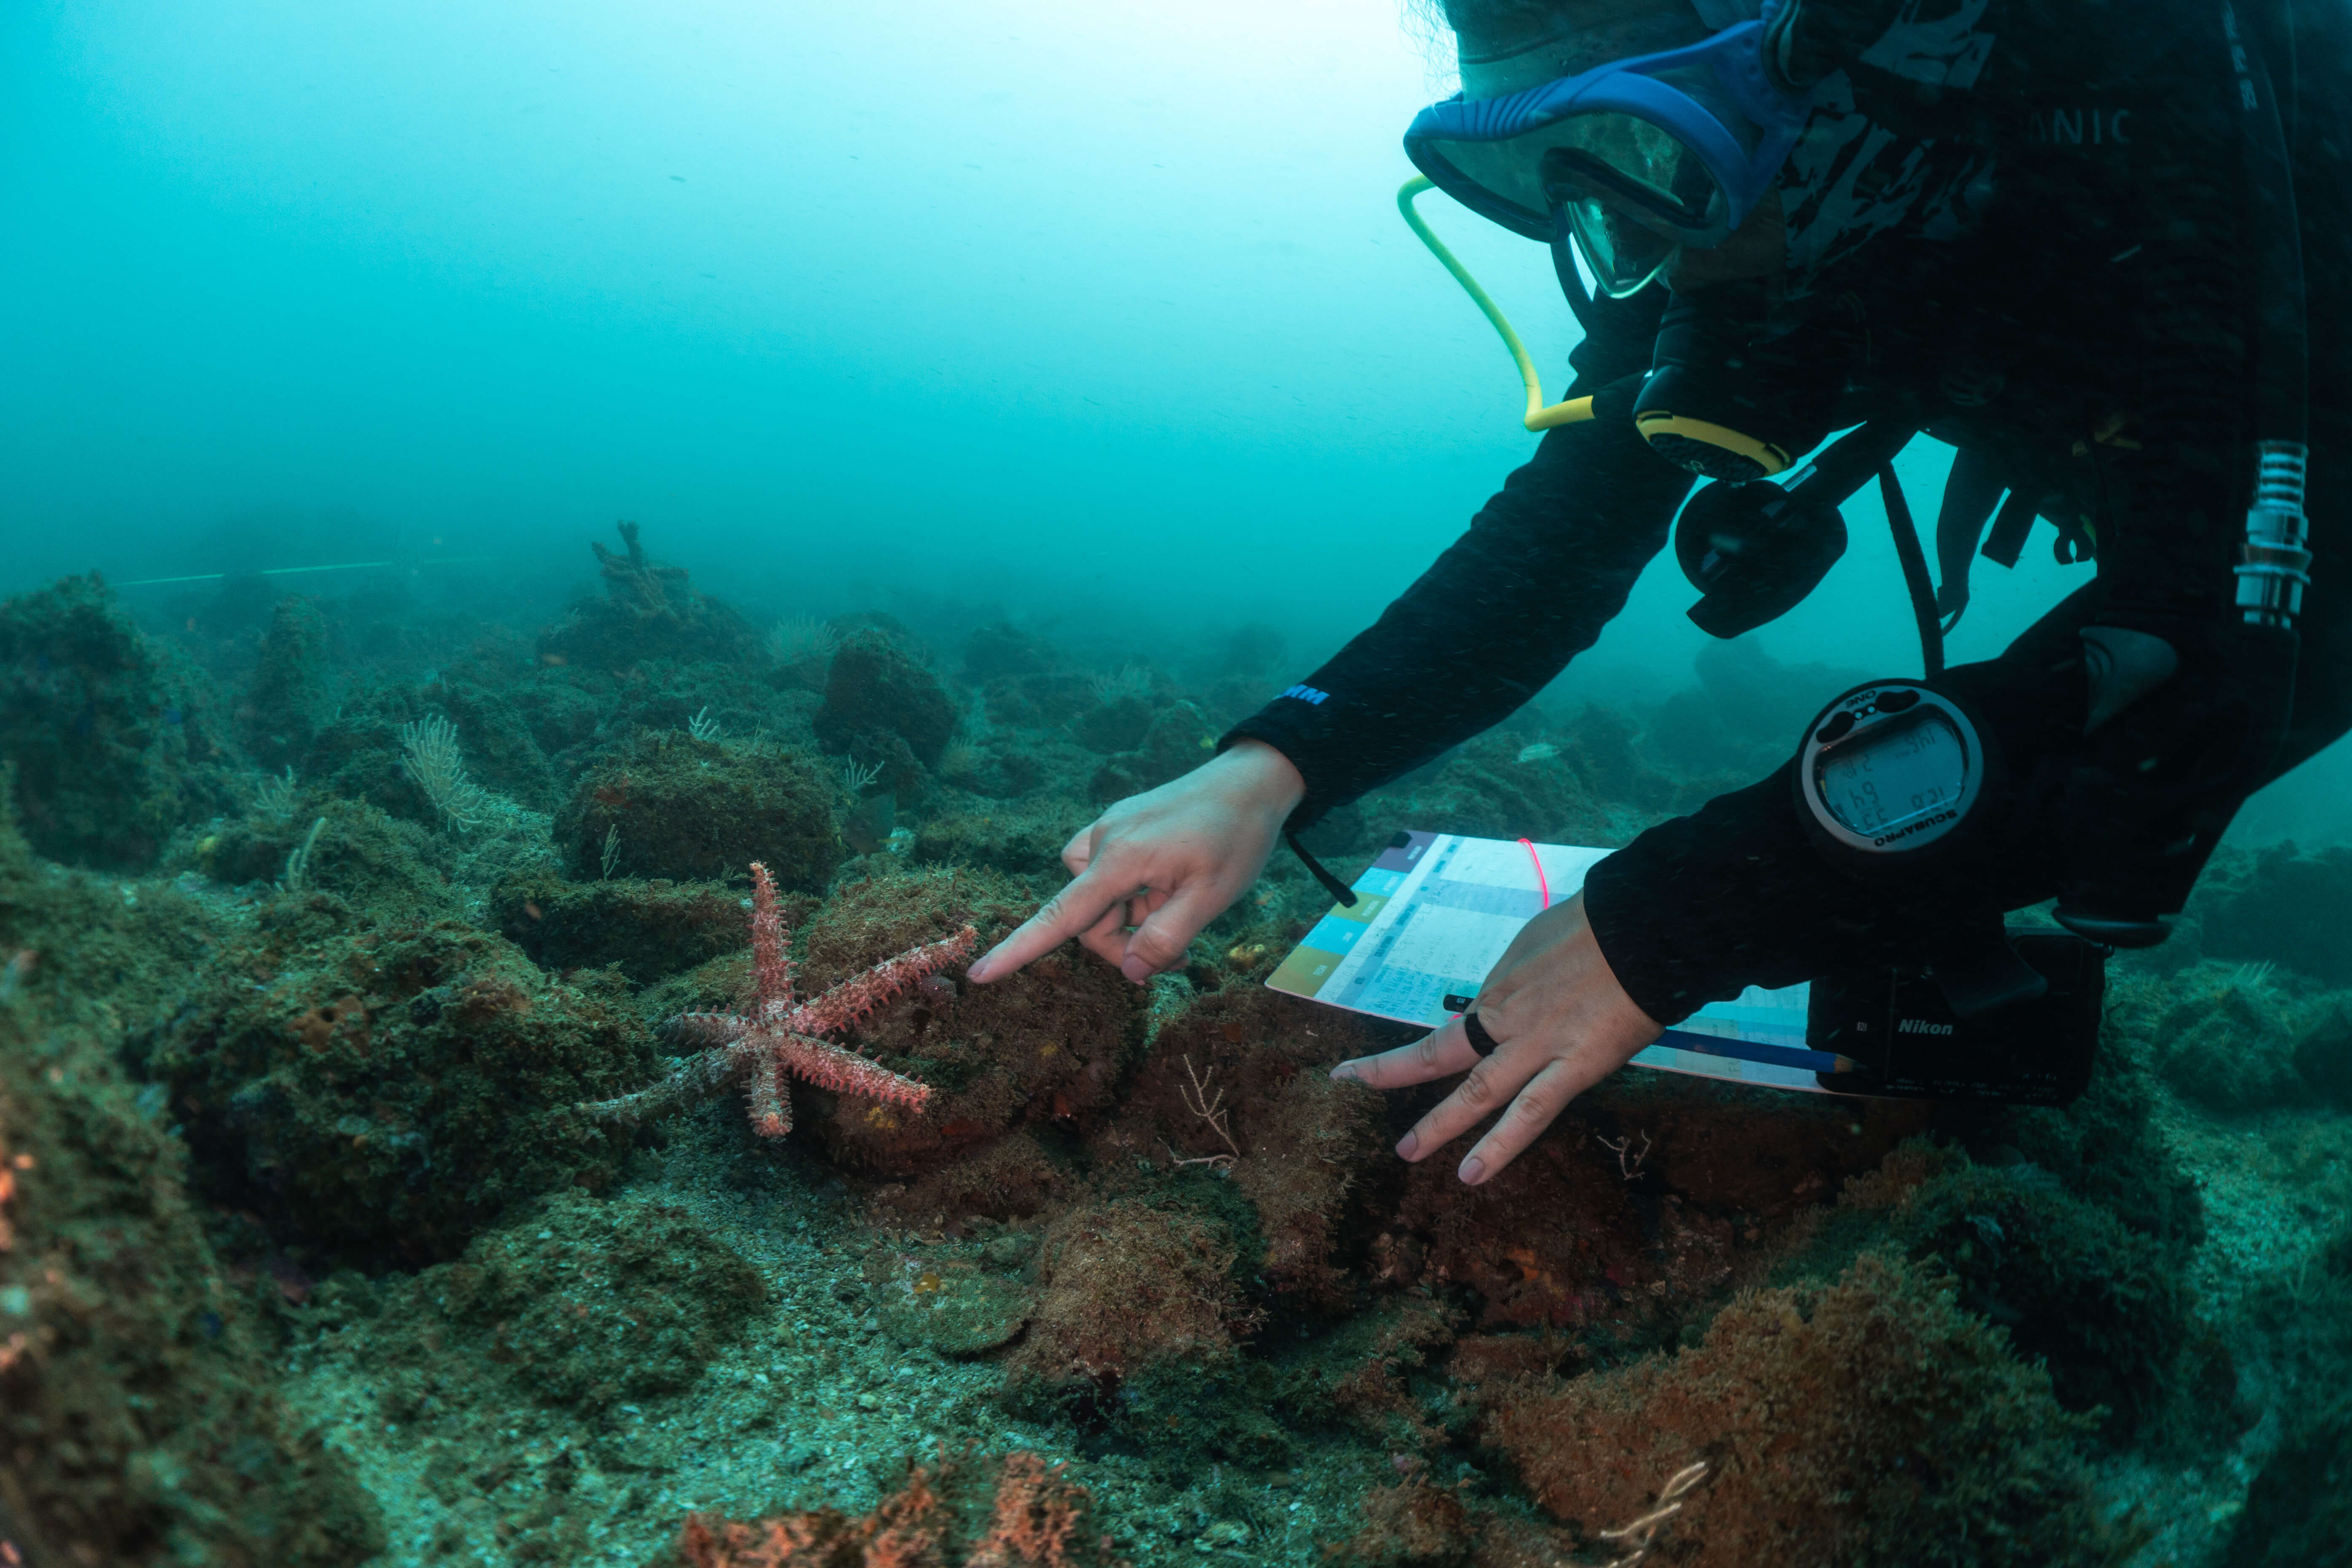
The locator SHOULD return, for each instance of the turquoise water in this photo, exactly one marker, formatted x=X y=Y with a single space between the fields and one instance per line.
x=1074 y=359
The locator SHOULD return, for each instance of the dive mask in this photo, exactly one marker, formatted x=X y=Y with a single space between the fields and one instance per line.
x=1635 y=159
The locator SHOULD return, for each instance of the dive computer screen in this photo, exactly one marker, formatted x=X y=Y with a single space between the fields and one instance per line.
x=1893 y=773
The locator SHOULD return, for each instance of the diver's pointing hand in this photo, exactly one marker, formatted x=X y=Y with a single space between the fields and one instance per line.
x=1560 y=1024
x=1155 y=868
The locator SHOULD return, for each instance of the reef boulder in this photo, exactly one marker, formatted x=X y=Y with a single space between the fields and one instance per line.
x=670 y=805
x=292 y=689
x=110 y=736
x=1867 y=1422
x=649 y=611
x=2225 y=1042
x=1047 y=1047
x=2291 y=909
x=645 y=929
x=383 y=1091
x=583 y=1301
x=883 y=708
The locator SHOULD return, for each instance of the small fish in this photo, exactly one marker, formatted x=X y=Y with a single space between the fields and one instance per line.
x=1537 y=751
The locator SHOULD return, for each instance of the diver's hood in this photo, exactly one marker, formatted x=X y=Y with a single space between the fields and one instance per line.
x=1505 y=48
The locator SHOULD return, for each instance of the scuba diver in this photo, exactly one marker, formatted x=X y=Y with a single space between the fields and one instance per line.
x=2088 y=244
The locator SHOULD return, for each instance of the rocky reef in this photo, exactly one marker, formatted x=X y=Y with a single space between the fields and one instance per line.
x=424 y=1137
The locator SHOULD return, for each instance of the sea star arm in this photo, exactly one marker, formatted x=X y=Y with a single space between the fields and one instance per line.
x=854 y=998
x=703 y=1030
x=695 y=1080
x=772 y=1108
x=771 y=965
x=844 y=1071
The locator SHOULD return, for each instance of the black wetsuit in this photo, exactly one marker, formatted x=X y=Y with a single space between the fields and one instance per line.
x=2012 y=212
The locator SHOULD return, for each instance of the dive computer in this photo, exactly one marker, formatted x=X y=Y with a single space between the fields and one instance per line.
x=1891 y=777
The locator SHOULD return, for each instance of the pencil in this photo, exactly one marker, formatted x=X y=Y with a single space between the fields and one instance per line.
x=1752 y=1051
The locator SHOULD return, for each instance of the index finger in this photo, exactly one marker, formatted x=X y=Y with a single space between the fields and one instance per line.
x=1443 y=1052
x=1071 y=912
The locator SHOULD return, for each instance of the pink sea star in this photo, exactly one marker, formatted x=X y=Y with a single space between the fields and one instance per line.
x=782 y=1034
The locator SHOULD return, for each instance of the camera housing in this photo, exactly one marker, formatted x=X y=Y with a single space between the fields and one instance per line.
x=1907 y=1041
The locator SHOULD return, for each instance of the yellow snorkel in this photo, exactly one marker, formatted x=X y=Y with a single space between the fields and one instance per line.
x=1538 y=416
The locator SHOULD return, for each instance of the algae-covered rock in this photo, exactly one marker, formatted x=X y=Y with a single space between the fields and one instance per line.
x=383 y=1090
x=1127 y=1285
x=111 y=739
x=359 y=853
x=1036 y=701
x=878 y=701
x=1600 y=751
x=649 y=611
x=1177 y=740
x=1010 y=764
x=2110 y=1147
x=292 y=688
x=562 y=716
x=1298 y=1143
x=2298 y=1512
x=1143 y=1314
x=1867 y=1422
x=1746 y=711
x=1016 y=1512
x=1000 y=648
x=359 y=752
x=2225 y=1042
x=2292 y=909
x=1025 y=838
x=2102 y=1308
x=1497 y=788
x=960 y=1299
x=1412 y=1525
x=669 y=805
x=501 y=752
x=140 y=1420
x=1117 y=723
x=1046 y=1046
x=587 y=1302
x=645 y=929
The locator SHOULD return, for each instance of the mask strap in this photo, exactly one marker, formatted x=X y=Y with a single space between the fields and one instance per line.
x=1571 y=281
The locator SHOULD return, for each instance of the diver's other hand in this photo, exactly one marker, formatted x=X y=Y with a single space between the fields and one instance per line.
x=1165 y=862
x=1560 y=1024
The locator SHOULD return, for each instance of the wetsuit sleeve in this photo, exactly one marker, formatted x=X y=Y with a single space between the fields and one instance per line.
x=1542 y=570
